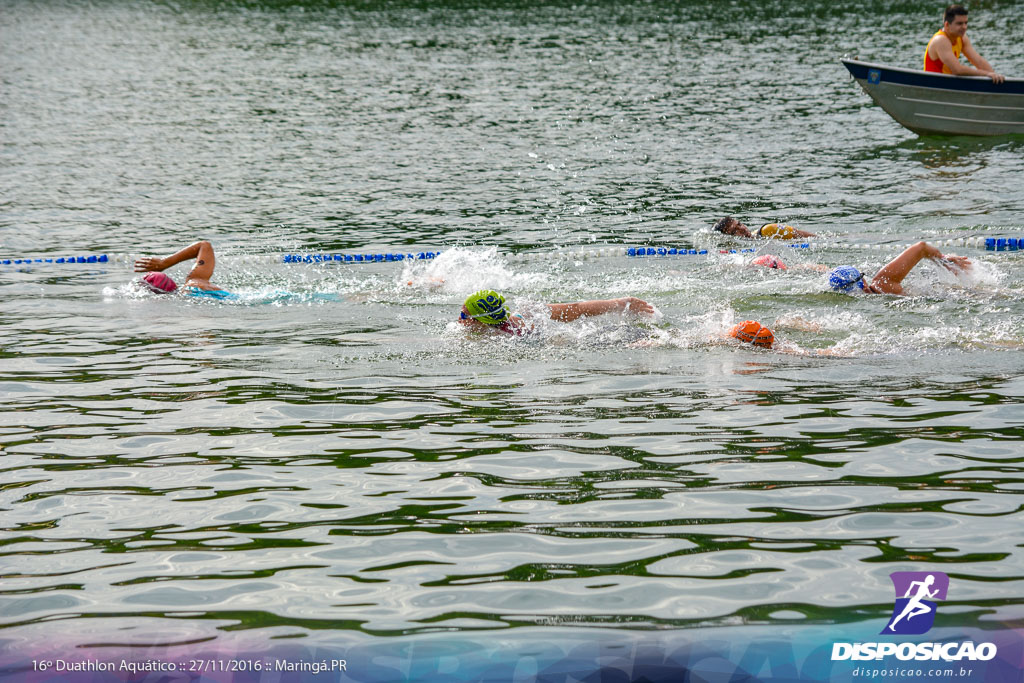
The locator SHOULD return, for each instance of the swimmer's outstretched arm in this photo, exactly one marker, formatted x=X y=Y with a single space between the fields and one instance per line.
x=888 y=279
x=202 y=252
x=580 y=309
x=803 y=233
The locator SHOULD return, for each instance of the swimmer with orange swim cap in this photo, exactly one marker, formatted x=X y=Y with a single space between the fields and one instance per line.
x=197 y=282
x=487 y=310
x=776 y=231
x=753 y=332
x=945 y=47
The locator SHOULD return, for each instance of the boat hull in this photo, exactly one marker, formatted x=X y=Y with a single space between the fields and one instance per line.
x=941 y=104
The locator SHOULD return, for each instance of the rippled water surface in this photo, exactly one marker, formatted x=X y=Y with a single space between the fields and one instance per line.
x=331 y=454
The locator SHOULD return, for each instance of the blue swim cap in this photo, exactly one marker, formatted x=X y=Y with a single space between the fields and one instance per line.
x=843 y=279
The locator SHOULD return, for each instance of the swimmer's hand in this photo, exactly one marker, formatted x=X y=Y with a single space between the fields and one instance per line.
x=148 y=264
x=429 y=283
x=634 y=305
x=954 y=263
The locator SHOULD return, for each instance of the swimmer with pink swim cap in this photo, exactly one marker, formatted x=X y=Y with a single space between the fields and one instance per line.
x=197 y=282
x=158 y=283
x=769 y=261
x=775 y=263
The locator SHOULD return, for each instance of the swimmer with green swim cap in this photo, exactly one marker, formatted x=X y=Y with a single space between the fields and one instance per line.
x=486 y=306
x=487 y=310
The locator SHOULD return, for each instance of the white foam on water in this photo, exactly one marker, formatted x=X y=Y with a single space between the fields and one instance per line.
x=981 y=274
x=128 y=290
x=837 y=319
x=462 y=271
x=695 y=331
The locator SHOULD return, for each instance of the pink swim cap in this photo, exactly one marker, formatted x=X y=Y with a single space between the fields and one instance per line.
x=769 y=261
x=159 y=283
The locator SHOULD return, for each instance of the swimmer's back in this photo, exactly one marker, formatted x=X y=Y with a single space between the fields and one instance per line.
x=200 y=293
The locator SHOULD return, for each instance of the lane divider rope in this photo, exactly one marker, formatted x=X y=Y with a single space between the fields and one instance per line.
x=987 y=243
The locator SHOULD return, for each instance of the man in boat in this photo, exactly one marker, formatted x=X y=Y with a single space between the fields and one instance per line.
x=888 y=280
x=197 y=282
x=486 y=311
x=944 y=49
x=778 y=231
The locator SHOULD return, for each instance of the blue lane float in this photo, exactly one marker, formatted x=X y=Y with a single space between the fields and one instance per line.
x=358 y=258
x=645 y=252
x=997 y=244
x=1003 y=243
x=95 y=258
x=638 y=252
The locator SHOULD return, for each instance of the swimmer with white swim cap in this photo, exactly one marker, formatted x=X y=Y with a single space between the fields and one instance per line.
x=850 y=280
x=197 y=282
x=777 y=231
x=487 y=310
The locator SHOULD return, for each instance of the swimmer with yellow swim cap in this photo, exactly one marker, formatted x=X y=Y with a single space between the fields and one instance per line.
x=777 y=231
x=487 y=310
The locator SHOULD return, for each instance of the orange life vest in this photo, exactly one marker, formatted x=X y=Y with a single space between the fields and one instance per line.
x=936 y=65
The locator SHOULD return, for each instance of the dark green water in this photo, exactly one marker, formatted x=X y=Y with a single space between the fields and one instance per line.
x=341 y=459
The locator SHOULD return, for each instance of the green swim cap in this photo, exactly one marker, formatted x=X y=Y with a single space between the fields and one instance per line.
x=487 y=306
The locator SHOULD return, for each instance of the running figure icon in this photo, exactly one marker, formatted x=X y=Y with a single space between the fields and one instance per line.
x=915 y=607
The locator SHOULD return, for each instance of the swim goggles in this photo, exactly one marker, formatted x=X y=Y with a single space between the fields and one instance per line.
x=469 y=316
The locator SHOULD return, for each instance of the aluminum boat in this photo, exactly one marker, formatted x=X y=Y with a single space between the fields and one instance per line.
x=941 y=104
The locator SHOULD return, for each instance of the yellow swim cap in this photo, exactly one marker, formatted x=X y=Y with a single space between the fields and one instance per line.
x=776 y=231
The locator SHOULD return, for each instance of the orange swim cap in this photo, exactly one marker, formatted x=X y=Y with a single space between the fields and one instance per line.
x=753 y=332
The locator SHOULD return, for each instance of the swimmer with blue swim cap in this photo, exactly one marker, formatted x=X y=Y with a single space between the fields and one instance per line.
x=778 y=231
x=845 y=278
x=850 y=280
x=197 y=282
x=487 y=310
